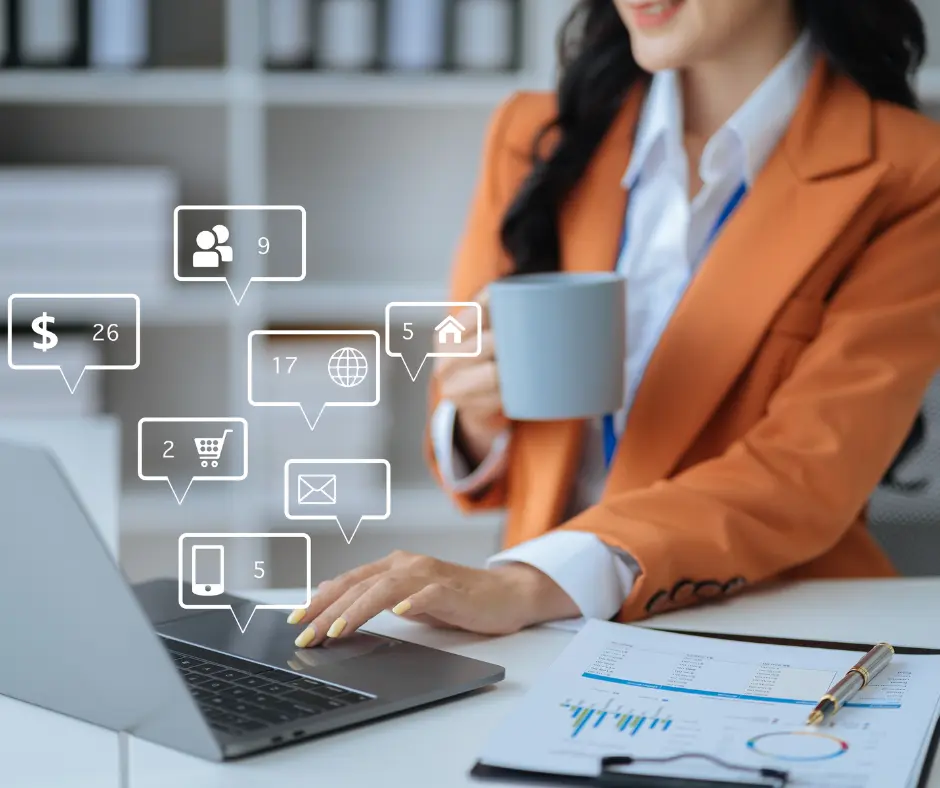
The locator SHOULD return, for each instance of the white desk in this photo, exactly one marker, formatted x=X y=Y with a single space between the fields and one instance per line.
x=437 y=746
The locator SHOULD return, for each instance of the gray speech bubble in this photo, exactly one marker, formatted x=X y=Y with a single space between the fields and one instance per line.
x=314 y=370
x=181 y=451
x=213 y=564
x=231 y=243
x=107 y=322
x=413 y=329
x=338 y=490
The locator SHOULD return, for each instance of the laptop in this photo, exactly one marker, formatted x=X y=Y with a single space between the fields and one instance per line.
x=80 y=641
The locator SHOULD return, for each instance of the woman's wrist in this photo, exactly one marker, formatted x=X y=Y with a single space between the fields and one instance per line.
x=539 y=598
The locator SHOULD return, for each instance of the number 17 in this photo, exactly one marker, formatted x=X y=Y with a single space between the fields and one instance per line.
x=277 y=364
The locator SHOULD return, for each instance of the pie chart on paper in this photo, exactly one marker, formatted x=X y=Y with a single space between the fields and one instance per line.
x=797 y=746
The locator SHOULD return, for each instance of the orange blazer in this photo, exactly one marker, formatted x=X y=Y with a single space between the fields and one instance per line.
x=789 y=375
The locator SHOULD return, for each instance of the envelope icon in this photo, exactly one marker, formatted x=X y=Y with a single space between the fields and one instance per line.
x=316 y=489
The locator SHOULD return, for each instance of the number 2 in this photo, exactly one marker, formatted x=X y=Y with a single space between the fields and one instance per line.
x=169 y=448
x=259 y=568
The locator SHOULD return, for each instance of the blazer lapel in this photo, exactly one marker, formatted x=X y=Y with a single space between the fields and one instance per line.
x=814 y=184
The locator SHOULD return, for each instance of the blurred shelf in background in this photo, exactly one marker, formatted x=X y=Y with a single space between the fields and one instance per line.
x=156 y=87
x=391 y=90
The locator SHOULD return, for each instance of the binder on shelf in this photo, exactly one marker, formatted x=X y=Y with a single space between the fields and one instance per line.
x=119 y=33
x=415 y=34
x=52 y=33
x=347 y=34
x=289 y=33
x=486 y=35
x=6 y=34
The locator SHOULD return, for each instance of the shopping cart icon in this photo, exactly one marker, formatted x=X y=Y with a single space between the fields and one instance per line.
x=210 y=449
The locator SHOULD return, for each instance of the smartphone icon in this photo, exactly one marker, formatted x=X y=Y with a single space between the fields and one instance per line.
x=208 y=575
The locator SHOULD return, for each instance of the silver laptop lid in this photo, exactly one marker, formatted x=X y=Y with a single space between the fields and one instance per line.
x=73 y=637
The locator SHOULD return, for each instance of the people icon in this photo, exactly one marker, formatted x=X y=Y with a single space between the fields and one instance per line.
x=213 y=250
x=225 y=252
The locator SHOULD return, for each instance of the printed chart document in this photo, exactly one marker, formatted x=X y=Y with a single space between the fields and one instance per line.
x=621 y=690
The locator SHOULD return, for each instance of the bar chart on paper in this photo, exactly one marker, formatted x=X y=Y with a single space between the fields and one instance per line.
x=584 y=715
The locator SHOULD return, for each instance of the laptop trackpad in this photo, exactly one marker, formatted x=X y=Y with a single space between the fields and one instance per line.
x=269 y=639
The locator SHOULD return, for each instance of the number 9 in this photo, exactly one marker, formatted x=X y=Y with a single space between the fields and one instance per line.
x=264 y=245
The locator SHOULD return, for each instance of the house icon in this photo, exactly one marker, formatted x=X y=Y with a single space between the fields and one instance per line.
x=449 y=331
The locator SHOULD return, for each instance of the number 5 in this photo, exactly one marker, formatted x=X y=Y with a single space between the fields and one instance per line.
x=409 y=334
x=259 y=570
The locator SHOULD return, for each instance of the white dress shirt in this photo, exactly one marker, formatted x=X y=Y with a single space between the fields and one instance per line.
x=668 y=237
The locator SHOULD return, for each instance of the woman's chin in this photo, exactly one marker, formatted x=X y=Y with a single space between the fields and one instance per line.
x=655 y=56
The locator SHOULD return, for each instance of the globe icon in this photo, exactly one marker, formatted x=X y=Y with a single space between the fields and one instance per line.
x=348 y=367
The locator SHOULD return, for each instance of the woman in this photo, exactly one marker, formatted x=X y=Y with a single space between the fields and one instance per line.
x=782 y=248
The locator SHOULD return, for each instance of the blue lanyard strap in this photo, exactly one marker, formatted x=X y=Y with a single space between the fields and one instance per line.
x=610 y=428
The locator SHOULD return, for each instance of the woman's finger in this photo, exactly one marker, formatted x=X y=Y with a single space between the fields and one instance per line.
x=351 y=612
x=447 y=366
x=330 y=591
x=332 y=621
x=315 y=631
x=481 y=378
x=439 y=602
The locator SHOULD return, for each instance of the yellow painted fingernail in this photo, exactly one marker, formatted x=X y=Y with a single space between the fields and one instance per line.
x=304 y=638
x=401 y=608
x=296 y=616
x=336 y=628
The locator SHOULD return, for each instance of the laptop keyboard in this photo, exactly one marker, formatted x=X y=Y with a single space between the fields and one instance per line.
x=240 y=697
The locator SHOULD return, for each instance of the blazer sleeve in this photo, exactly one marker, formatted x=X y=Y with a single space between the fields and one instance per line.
x=481 y=259
x=789 y=489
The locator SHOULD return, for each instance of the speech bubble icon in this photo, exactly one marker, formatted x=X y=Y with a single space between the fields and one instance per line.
x=413 y=329
x=96 y=323
x=239 y=244
x=181 y=451
x=314 y=370
x=213 y=565
x=338 y=490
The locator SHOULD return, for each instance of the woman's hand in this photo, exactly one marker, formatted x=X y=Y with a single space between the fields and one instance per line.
x=472 y=384
x=494 y=601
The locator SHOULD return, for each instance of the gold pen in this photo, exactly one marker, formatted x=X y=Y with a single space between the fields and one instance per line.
x=858 y=677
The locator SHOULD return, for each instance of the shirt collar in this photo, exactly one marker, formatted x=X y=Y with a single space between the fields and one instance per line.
x=744 y=143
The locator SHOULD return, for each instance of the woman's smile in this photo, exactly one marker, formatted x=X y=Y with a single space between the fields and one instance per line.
x=657 y=14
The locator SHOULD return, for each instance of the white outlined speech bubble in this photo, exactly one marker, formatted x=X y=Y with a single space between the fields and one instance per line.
x=450 y=331
x=103 y=329
x=223 y=563
x=307 y=393
x=265 y=246
x=342 y=495
x=195 y=454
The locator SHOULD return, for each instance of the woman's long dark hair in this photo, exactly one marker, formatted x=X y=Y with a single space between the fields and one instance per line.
x=879 y=44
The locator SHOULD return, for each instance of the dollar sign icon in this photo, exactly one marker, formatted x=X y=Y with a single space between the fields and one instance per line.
x=41 y=327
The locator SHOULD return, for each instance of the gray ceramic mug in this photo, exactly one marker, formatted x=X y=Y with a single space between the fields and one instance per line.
x=560 y=341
